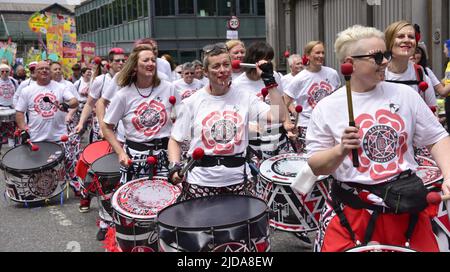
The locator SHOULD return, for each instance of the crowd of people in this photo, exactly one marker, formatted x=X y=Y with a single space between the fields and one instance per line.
x=145 y=106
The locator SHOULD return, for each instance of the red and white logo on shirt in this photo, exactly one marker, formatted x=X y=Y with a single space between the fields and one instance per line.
x=150 y=117
x=317 y=92
x=7 y=90
x=45 y=109
x=187 y=93
x=384 y=143
x=222 y=131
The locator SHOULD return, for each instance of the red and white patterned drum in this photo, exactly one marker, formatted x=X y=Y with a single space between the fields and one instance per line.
x=290 y=210
x=430 y=175
x=135 y=207
x=7 y=114
x=380 y=248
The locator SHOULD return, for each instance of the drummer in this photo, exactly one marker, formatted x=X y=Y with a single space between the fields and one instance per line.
x=216 y=118
x=8 y=86
x=143 y=105
x=389 y=119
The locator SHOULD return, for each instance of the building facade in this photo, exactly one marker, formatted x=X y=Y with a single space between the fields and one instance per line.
x=292 y=23
x=181 y=27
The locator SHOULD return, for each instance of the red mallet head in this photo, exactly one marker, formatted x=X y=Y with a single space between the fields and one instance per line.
x=423 y=86
x=434 y=198
x=17 y=133
x=97 y=60
x=34 y=147
x=347 y=69
x=433 y=109
x=64 y=138
x=236 y=64
x=287 y=54
x=298 y=108
x=130 y=161
x=264 y=92
x=151 y=160
x=198 y=153
x=172 y=100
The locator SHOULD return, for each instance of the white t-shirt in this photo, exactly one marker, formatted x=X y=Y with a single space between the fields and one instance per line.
x=82 y=88
x=410 y=74
x=434 y=80
x=7 y=90
x=255 y=87
x=392 y=118
x=22 y=85
x=70 y=87
x=205 y=81
x=100 y=84
x=236 y=75
x=286 y=79
x=46 y=122
x=144 y=119
x=185 y=90
x=163 y=66
x=308 y=88
x=219 y=125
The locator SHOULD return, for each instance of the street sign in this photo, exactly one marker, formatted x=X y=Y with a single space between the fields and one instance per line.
x=234 y=23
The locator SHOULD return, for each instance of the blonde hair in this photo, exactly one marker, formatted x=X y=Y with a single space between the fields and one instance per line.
x=309 y=46
x=128 y=74
x=392 y=30
x=232 y=43
x=346 y=40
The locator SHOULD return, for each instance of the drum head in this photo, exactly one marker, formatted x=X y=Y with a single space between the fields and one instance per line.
x=107 y=165
x=283 y=168
x=380 y=248
x=144 y=198
x=95 y=150
x=214 y=211
x=23 y=160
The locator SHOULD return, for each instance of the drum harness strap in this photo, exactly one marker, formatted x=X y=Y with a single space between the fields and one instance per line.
x=341 y=196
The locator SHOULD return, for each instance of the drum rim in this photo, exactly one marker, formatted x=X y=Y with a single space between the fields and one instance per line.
x=114 y=204
x=82 y=152
x=112 y=174
x=34 y=170
x=381 y=246
x=251 y=220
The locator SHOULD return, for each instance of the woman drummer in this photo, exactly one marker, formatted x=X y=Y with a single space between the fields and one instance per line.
x=216 y=119
x=143 y=105
x=389 y=119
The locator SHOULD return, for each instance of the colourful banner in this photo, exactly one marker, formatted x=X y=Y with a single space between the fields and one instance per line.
x=38 y=22
x=88 y=49
x=8 y=51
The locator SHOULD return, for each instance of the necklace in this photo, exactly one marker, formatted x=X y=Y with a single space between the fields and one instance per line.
x=139 y=92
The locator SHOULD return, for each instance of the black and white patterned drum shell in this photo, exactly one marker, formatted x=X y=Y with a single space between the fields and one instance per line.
x=222 y=223
x=135 y=207
x=380 y=248
x=7 y=114
x=33 y=176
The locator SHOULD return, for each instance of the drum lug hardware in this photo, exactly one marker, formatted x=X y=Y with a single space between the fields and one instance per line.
x=407 y=244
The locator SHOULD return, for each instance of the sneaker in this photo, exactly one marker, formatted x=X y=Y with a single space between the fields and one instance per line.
x=303 y=237
x=85 y=204
x=101 y=234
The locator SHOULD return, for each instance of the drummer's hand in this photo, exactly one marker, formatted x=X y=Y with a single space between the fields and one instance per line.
x=291 y=129
x=78 y=128
x=123 y=159
x=350 y=140
x=446 y=186
x=176 y=178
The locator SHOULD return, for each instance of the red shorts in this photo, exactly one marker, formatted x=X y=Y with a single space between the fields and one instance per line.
x=389 y=229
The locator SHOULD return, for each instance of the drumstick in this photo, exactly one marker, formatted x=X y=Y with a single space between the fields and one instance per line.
x=347 y=70
x=47 y=99
x=173 y=114
x=148 y=160
x=34 y=147
x=196 y=156
x=298 y=110
x=436 y=198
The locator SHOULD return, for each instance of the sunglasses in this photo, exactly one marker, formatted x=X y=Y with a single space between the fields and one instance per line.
x=189 y=73
x=215 y=47
x=4 y=71
x=378 y=57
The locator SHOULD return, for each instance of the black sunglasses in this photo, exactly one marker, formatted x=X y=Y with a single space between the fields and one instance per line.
x=213 y=47
x=378 y=56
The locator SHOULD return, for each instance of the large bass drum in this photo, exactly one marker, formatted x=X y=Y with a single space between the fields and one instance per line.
x=223 y=223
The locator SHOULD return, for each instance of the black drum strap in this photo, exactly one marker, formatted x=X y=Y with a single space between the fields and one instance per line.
x=370 y=227
x=344 y=222
x=411 y=226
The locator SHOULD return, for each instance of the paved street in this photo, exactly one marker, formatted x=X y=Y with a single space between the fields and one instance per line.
x=58 y=228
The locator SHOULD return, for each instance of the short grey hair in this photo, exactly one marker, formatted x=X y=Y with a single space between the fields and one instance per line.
x=344 y=45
